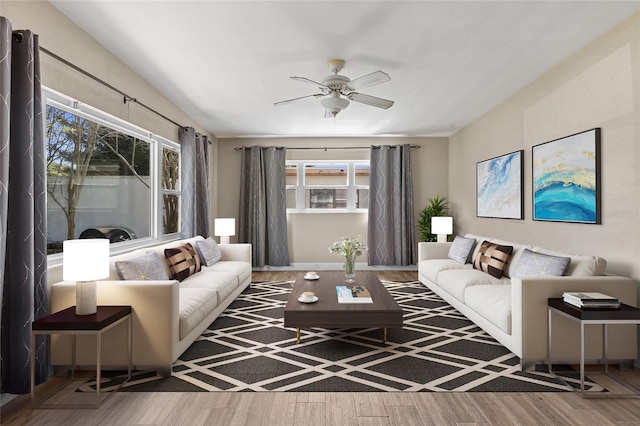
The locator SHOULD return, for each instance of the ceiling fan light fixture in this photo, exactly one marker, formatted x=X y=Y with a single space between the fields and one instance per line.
x=334 y=104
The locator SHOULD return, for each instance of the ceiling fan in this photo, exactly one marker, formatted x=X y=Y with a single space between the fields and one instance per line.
x=337 y=90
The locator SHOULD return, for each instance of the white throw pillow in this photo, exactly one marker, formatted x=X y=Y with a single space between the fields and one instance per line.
x=146 y=267
x=534 y=264
x=461 y=248
x=209 y=251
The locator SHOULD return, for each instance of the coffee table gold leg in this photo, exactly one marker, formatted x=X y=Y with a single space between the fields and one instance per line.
x=298 y=335
x=384 y=339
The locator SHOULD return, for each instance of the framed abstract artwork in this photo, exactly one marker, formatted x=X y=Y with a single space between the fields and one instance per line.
x=499 y=185
x=566 y=179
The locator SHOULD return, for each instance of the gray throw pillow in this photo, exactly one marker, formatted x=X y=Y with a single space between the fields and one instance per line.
x=533 y=264
x=461 y=248
x=209 y=251
x=146 y=267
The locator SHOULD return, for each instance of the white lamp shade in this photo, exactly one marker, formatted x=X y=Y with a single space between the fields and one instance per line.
x=85 y=260
x=442 y=225
x=225 y=227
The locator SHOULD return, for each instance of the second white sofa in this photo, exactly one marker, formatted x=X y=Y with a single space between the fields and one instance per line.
x=168 y=315
x=513 y=308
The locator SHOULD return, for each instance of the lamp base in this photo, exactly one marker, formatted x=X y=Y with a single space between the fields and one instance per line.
x=225 y=240
x=442 y=238
x=86 y=298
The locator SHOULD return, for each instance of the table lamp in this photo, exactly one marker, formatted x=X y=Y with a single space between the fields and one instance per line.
x=85 y=261
x=443 y=226
x=224 y=228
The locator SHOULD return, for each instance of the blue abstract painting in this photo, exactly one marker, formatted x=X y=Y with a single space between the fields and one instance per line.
x=499 y=187
x=565 y=179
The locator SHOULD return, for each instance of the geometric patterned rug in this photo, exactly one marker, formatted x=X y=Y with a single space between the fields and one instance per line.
x=438 y=350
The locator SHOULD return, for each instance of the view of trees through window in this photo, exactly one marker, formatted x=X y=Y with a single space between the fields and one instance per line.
x=170 y=190
x=98 y=180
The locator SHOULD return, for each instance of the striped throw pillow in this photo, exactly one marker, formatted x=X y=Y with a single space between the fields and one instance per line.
x=492 y=258
x=183 y=261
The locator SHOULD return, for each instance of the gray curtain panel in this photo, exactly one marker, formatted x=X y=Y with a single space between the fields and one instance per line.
x=391 y=228
x=263 y=205
x=194 y=174
x=23 y=232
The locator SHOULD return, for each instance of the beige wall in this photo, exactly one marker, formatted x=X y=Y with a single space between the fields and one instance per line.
x=597 y=87
x=311 y=234
x=61 y=36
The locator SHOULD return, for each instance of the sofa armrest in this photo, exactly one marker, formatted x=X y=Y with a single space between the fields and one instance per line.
x=155 y=321
x=431 y=250
x=238 y=252
x=530 y=314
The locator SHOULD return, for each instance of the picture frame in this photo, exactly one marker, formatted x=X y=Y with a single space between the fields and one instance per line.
x=566 y=179
x=499 y=187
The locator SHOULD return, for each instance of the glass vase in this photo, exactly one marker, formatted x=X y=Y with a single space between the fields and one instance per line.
x=350 y=268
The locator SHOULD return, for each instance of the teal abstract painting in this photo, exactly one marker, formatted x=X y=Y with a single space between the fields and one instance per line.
x=566 y=179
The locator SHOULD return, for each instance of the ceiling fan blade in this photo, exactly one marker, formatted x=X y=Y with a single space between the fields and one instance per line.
x=317 y=95
x=372 y=79
x=306 y=80
x=370 y=100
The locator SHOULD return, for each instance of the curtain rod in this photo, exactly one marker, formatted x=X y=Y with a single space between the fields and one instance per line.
x=329 y=148
x=126 y=98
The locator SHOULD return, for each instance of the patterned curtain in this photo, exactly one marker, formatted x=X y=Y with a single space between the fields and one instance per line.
x=23 y=232
x=391 y=234
x=263 y=205
x=194 y=174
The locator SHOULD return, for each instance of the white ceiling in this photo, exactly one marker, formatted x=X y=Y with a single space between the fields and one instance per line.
x=226 y=62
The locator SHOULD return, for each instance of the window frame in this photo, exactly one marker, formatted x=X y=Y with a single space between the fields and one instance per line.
x=351 y=187
x=156 y=145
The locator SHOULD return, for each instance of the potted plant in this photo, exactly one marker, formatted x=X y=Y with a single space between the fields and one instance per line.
x=437 y=206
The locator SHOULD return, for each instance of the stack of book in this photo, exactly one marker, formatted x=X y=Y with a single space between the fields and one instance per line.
x=590 y=300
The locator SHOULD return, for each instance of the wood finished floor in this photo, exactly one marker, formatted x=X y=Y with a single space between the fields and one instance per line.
x=293 y=408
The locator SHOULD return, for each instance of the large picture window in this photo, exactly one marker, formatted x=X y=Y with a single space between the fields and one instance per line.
x=327 y=186
x=101 y=177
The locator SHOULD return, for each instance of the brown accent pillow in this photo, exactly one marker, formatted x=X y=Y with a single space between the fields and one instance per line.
x=492 y=258
x=183 y=261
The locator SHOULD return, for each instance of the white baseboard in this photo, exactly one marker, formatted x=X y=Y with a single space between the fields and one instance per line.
x=334 y=267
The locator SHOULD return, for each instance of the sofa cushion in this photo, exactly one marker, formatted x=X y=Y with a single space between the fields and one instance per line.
x=224 y=283
x=430 y=268
x=580 y=265
x=455 y=282
x=209 y=251
x=492 y=258
x=159 y=249
x=534 y=264
x=145 y=266
x=183 y=261
x=241 y=269
x=114 y=275
x=194 y=306
x=461 y=248
x=493 y=302
x=515 y=254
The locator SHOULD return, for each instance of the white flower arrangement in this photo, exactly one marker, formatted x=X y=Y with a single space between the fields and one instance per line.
x=348 y=247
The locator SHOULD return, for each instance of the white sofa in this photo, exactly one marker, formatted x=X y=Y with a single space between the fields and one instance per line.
x=168 y=315
x=514 y=310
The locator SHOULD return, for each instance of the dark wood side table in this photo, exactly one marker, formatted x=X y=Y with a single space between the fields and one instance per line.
x=67 y=322
x=624 y=315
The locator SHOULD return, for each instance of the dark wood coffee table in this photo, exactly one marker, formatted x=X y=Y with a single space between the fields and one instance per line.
x=384 y=312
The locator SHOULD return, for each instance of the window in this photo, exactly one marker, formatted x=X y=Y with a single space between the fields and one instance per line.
x=101 y=177
x=170 y=190
x=327 y=186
